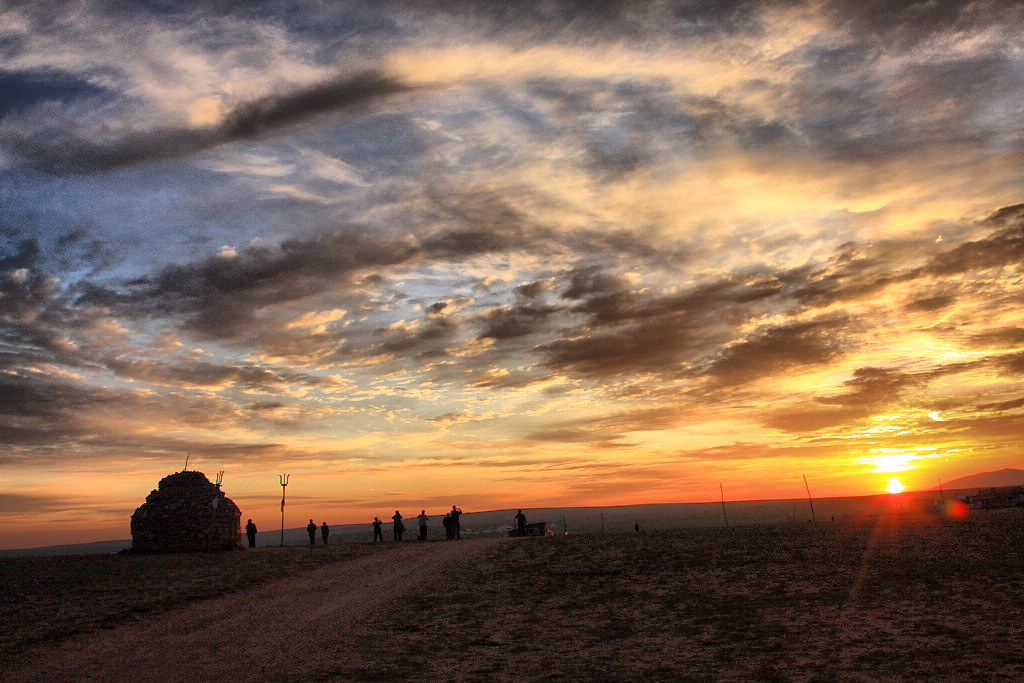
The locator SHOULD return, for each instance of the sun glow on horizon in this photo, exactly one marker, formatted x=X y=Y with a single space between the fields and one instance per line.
x=894 y=486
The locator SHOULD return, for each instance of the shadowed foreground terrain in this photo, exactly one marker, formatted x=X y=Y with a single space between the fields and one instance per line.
x=891 y=597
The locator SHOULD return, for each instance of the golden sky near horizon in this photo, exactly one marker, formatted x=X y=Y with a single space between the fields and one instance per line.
x=420 y=254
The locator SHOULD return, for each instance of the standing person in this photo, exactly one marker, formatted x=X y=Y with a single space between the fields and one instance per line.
x=311 y=530
x=456 y=526
x=423 y=524
x=447 y=521
x=250 y=532
x=376 y=530
x=399 y=528
x=325 y=531
x=520 y=523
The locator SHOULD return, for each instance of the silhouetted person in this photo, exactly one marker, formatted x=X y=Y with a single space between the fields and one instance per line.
x=399 y=528
x=636 y=527
x=520 y=523
x=311 y=530
x=325 y=531
x=423 y=524
x=447 y=522
x=250 y=532
x=376 y=530
x=456 y=525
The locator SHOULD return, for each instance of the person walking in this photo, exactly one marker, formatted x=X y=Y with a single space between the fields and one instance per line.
x=456 y=525
x=311 y=530
x=399 y=528
x=423 y=519
x=250 y=532
x=376 y=530
x=325 y=531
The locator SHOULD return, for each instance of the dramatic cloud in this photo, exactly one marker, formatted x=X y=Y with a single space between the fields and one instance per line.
x=536 y=254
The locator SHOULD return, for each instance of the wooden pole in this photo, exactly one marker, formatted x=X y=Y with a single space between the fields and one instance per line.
x=810 y=500
x=722 y=489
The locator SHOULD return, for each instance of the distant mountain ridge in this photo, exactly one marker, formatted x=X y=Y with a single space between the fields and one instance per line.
x=987 y=480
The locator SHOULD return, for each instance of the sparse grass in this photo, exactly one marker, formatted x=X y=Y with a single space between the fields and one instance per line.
x=888 y=598
x=49 y=598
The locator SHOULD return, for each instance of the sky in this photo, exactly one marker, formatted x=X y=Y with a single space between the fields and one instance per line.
x=503 y=255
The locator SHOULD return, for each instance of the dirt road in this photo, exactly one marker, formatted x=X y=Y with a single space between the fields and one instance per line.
x=287 y=629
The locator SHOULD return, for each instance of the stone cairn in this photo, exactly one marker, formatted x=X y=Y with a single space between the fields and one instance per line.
x=186 y=514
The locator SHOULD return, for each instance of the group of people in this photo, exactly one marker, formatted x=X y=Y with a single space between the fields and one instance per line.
x=452 y=525
x=325 y=531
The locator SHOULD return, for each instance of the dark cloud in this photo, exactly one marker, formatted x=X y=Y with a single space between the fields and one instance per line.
x=512 y=322
x=37 y=411
x=597 y=21
x=885 y=22
x=1004 y=247
x=535 y=289
x=1014 y=363
x=159 y=373
x=1004 y=337
x=872 y=387
x=933 y=302
x=254 y=118
x=871 y=391
x=631 y=331
x=1000 y=406
x=24 y=255
x=774 y=350
x=425 y=339
x=220 y=295
x=58 y=154
x=865 y=270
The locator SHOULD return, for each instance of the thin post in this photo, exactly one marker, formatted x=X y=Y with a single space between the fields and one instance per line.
x=942 y=496
x=809 y=499
x=284 y=485
x=722 y=489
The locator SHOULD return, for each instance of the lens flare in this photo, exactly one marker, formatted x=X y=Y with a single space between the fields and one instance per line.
x=956 y=509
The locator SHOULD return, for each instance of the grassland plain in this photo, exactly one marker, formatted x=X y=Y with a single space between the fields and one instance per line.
x=892 y=597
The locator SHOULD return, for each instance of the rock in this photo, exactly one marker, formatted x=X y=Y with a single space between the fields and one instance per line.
x=186 y=513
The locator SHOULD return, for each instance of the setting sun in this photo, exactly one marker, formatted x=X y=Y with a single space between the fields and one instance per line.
x=894 y=486
x=651 y=255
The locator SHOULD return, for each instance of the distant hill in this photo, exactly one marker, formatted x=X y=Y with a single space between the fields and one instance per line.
x=987 y=480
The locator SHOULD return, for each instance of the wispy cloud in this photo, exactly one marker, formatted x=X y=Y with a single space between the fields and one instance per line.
x=478 y=249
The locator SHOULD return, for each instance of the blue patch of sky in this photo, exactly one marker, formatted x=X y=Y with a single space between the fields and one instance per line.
x=22 y=90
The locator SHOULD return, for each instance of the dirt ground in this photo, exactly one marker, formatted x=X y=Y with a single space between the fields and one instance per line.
x=284 y=629
x=892 y=598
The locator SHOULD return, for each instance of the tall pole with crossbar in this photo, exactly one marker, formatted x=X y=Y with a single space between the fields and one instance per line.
x=284 y=486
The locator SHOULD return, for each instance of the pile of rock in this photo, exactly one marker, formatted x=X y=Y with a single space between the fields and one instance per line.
x=186 y=513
